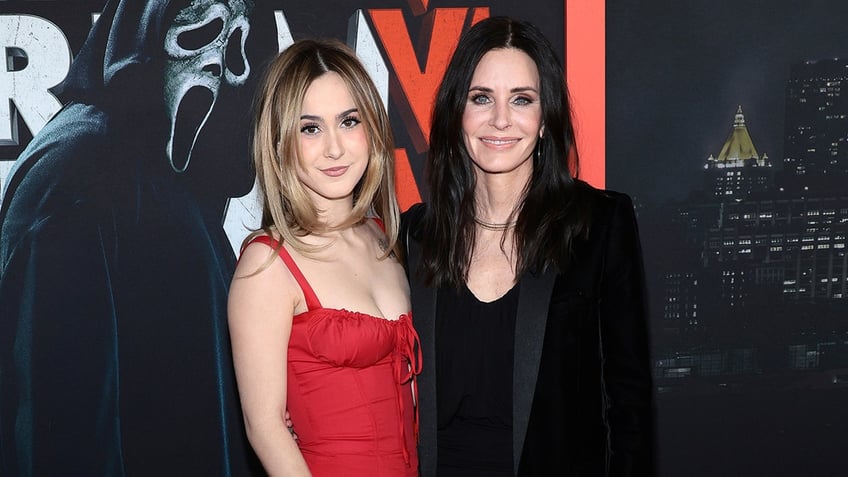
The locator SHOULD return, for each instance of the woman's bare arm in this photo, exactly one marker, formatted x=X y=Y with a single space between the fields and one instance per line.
x=260 y=311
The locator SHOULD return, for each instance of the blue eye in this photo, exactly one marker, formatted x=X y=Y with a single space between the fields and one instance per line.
x=480 y=99
x=522 y=100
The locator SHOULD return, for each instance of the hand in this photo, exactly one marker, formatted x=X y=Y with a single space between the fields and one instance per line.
x=289 y=425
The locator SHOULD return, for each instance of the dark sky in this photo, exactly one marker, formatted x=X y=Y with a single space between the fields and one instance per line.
x=677 y=70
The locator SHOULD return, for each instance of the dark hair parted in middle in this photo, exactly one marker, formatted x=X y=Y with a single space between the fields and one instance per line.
x=549 y=217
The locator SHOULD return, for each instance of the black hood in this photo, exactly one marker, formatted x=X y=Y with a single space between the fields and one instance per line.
x=128 y=36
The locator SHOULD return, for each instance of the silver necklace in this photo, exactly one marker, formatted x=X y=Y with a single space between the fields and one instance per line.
x=495 y=227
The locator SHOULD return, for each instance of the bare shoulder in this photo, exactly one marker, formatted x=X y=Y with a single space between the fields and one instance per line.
x=262 y=283
x=253 y=257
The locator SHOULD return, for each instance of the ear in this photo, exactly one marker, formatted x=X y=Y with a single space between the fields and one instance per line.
x=541 y=131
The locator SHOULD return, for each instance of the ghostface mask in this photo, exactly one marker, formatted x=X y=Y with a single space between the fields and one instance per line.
x=205 y=46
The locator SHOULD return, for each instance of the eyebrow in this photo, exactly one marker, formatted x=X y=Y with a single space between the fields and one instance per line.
x=341 y=115
x=519 y=89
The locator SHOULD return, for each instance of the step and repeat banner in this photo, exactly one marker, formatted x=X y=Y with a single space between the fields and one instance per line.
x=127 y=188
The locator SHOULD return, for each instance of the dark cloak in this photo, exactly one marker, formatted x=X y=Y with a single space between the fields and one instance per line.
x=114 y=273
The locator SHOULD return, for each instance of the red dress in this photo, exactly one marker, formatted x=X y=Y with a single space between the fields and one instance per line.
x=350 y=380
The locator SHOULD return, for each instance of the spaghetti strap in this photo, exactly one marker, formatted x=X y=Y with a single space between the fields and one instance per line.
x=312 y=302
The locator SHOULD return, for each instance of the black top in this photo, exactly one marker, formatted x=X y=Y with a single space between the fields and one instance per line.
x=474 y=374
x=582 y=398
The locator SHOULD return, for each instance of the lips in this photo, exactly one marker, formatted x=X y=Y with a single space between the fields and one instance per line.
x=499 y=142
x=335 y=171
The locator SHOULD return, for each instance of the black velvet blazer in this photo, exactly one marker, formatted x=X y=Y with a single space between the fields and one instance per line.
x=582 y=388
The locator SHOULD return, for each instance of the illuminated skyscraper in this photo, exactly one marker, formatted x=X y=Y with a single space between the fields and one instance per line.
x=816 y=127
x=738 y=171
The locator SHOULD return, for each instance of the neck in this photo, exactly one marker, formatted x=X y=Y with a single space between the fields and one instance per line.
x=332 y=213
x=498 y=197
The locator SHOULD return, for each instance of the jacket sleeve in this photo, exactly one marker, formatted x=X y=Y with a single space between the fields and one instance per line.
x=625 y=349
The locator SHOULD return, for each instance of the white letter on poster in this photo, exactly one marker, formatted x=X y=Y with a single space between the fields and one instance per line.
x=37 y=57
x=362 y=40
x=284 y=36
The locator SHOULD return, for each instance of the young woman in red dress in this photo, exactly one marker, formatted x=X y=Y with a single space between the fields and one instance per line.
x=319 y=306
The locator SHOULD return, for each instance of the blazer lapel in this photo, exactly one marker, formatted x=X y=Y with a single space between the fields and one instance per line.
x=424 y=319
x=534 y=296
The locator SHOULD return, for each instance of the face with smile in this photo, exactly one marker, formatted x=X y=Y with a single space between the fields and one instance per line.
x=334 y=147
x=502 y=120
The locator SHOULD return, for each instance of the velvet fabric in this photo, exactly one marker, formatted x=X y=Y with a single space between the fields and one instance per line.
x=582 y=392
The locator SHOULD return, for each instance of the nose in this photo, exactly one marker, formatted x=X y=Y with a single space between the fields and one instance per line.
x=333 y=147
x=501 y=116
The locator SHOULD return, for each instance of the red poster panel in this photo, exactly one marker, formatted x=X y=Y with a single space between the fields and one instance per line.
x=585 y=60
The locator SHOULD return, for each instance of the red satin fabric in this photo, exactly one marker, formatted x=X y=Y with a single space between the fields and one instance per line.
x=350 y=387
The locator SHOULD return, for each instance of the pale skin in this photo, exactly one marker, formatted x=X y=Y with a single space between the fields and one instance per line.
x=501 y=124
x=347 y=274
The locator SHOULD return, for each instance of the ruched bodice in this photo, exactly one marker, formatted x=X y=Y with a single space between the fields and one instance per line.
x=349 y=338
x=350 y=379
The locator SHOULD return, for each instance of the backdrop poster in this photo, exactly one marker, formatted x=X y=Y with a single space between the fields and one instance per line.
x=727 y=123
x=127 y=186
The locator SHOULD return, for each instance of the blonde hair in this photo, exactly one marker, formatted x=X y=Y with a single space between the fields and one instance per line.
x=287 y=208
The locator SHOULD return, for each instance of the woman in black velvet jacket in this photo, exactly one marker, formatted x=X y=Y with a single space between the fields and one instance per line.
x=527 y=284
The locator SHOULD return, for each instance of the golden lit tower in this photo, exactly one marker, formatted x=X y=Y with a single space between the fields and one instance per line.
x=738 y=171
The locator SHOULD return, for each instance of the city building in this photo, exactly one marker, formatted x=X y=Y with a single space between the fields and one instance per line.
x=816 y=127
x=756 y=267
x=738 y=171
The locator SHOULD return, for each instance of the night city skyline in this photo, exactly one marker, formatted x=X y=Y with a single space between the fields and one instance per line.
x=757 y=387
x=676 y=73
x=749 y=238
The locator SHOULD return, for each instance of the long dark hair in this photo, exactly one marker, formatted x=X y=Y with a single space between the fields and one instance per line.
x=550 y=217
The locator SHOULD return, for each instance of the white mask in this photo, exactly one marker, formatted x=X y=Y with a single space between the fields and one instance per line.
x=205 y=46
